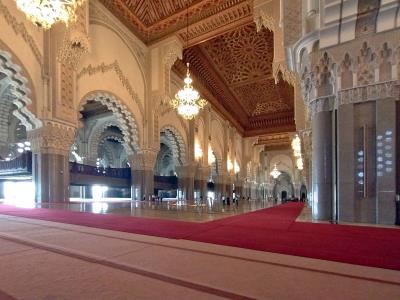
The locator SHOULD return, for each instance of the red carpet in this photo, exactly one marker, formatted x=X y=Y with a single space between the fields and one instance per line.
x=272 y=229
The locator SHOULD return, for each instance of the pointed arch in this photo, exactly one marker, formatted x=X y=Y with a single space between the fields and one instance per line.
x=124 y=119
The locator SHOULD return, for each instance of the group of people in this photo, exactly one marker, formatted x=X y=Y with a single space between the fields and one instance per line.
x=235 y=200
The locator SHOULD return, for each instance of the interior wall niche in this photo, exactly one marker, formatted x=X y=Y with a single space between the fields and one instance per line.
x=366 y=65
x=385 y=66
x=346 y=72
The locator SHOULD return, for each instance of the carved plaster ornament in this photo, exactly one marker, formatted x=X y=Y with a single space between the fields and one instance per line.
x=75 y=44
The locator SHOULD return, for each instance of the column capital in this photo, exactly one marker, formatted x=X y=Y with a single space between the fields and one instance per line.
x=321 y=104
x=143 y=160
x=53 y=138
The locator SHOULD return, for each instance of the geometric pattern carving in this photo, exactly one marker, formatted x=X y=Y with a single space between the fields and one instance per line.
x=242 y=55
x=152 y=20
x=236 y=68
x=264 y=96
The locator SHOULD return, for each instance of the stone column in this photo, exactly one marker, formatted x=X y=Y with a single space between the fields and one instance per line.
x=50 y=158
x=2 y=189
x=204 y=172
x=142 y=170
x=322 y=160
x=386 y=161
x=186 y=180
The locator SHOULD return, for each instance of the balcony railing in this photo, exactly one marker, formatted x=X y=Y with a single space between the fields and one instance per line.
x=76 y=168
x=22 y=165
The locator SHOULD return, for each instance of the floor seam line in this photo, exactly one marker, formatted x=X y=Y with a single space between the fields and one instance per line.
x=141 y=272
x=224 y=255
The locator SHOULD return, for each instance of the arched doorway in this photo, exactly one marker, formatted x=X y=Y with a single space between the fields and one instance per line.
x=15 y=123
x=283 y=187
x=172 y=154
x=102 y=148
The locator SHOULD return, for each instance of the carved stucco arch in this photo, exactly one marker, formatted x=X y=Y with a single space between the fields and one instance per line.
x=18 y=91
x=217 y=166
x=95 y=137
x=109 y=151
x=124 y=118
x=177 y=144
x=216 y=125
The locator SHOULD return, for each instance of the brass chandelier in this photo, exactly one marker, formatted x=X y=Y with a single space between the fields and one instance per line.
x=45 y=13
x=187 y=101
x=275 y=173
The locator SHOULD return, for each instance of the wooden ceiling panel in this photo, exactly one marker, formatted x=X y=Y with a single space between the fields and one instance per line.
x=152 y=20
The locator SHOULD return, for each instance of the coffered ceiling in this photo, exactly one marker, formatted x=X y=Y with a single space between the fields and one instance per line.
x=236 y=68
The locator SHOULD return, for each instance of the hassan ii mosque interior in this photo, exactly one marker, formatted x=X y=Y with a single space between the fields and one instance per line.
x=199 y=149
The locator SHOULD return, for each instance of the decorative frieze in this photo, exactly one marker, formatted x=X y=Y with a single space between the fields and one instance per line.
x=382 y=90
x=104 y=68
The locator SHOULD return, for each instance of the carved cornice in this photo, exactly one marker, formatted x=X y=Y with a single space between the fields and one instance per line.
x=53 y=138
x=103 y=68
x=207 y=18
x=20 y=29
x=382 y=90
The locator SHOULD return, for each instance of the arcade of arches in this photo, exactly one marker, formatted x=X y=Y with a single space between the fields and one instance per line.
x=270 y=72
x=302 y=126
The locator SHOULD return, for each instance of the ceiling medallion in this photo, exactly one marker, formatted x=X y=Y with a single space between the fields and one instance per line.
x=45 y=13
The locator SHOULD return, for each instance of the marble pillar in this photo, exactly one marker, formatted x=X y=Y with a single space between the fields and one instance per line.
x=50 y=160
x=204 y=174
x=50 y=173
x=142 y=174
x=1 y=189
x=322 y=165
x=186 y=181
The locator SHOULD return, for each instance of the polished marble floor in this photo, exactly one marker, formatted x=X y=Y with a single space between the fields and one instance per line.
x=175 y=210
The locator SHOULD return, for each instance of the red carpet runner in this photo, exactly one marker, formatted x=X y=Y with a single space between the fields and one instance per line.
x=272 y=229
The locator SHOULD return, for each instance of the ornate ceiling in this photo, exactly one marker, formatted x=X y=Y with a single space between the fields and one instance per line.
x=152 y=20
x=231 y=61
x=237 y=68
